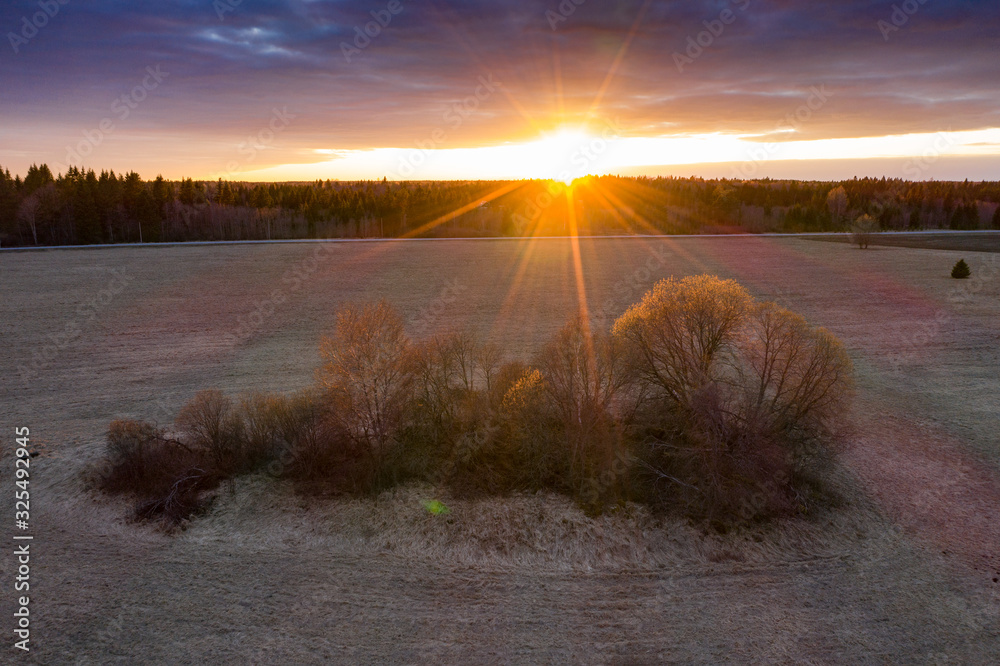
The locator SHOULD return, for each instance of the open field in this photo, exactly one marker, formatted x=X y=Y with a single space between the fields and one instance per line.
x=963 y=242
x=903 y=570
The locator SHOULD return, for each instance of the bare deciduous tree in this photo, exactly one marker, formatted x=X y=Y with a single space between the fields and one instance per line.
x=584 y=376
x=369 y=373
x=741 y=384
x=794 y=375
x=679 y=337
x=836 y=202
x=210 y=422
x=27 y=212
x=862 y=230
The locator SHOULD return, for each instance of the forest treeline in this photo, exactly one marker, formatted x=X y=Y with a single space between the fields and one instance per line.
x=84 y=207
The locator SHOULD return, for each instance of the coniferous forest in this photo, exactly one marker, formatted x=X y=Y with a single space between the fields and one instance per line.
x=84 y=207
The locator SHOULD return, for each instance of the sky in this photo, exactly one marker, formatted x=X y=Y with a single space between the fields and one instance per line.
x=407 y=89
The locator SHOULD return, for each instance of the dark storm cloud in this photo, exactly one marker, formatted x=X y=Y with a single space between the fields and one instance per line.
x=938 y=70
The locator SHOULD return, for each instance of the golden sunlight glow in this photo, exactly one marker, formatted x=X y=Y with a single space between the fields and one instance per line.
x=551 y=151
x=569 y=153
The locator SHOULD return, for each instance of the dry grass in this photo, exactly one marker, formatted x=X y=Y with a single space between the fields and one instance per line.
x=537 y=531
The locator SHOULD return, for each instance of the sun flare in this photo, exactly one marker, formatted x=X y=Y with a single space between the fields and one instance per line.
x=557 y=155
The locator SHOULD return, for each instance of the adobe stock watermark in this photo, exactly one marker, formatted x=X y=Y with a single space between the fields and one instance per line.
x=918 y=166
x=912 y=343
x=292 y=282
x=818 y=97
x=899 y=17
x=58 y=341
x=363 y=36
x=37 y=21
x=565 y=9
x=427 y=318
x=625 y=290
x=454 y=116
x=122 y=107
x=262 y=140
x=698 y=44
x=223 y=7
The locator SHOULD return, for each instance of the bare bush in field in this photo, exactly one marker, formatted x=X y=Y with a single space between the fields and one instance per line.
x=167 y=479
x=586 y=382
x=304 y=431
x=129 y=449
x=211 y=422
x=261 y=416
x=862 y=231
x=735 y=387
x=368 y=372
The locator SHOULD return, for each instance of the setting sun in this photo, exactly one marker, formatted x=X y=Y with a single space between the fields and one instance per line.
x=557 y=156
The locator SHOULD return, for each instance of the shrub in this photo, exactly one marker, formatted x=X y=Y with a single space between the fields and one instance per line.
x=450 y=405
x=330 y=462
x=862 y=231
x=506 y=376
x=526 y=454
x=447 y=371
x=210 y=422
x=961 y=270
x=167 y=478
x=710 y=465
x=261 y=420
x=128 y=451
x=300 y=423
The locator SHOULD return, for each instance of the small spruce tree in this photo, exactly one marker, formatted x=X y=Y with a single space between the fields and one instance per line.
x=961 y=270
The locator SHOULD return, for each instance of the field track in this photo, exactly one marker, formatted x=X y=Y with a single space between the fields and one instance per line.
x=976 y=241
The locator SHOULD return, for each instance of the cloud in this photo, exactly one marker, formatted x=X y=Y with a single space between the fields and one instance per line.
x=226 y=75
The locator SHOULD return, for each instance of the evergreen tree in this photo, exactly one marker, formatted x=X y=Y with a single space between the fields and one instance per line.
x=38 y=177
x=187 y=193
x=8 y=208
x=961 y=270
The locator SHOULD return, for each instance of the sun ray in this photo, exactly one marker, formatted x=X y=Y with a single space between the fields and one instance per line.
x=616 y=63
x=533 y=238
x=472 y=205
x=672 y=243
x=581 y=286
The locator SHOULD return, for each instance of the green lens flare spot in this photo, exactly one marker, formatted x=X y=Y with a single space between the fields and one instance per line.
x=436 y=507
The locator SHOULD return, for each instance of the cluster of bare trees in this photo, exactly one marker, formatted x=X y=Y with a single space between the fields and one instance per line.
x=699 y=398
